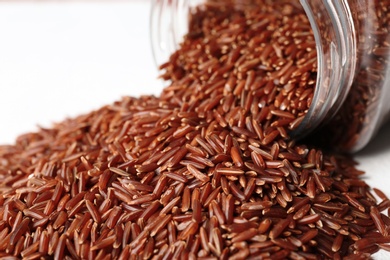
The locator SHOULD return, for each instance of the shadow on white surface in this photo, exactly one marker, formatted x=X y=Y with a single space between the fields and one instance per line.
x=379 y=144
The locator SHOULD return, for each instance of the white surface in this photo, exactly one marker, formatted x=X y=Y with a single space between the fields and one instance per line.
x=63 y=59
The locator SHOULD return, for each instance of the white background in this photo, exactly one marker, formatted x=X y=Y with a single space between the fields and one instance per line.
x=61 y=59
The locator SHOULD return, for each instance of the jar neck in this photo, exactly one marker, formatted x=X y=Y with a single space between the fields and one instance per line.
x=335 y=37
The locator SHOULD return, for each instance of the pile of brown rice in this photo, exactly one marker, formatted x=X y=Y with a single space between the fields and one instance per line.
x=204 y=171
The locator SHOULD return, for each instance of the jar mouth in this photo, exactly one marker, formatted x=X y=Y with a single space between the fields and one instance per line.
x=334 y=34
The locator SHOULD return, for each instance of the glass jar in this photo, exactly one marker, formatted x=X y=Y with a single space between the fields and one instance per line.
x=353 y=49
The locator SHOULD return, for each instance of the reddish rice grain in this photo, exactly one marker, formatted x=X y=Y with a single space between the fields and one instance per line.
x=197 y=174
x=19 y=231
x=85 y=231
x=71 y=249
x=380 y=225
x=59 y=251
x=302 y=212
x=309 y=235
x=279 y=227
x=161 y=225
x=380 y=194
x=256 y=205
x=103 y=243
x=31 y=249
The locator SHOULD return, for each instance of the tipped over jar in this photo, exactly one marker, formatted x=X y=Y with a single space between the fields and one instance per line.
x=351 y=98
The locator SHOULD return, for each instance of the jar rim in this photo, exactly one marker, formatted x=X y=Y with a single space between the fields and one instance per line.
x=336 y=61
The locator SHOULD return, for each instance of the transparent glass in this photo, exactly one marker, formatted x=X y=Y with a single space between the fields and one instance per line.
x=353 y=50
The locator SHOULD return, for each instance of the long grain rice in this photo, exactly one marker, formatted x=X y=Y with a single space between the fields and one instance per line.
x=206 y=170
